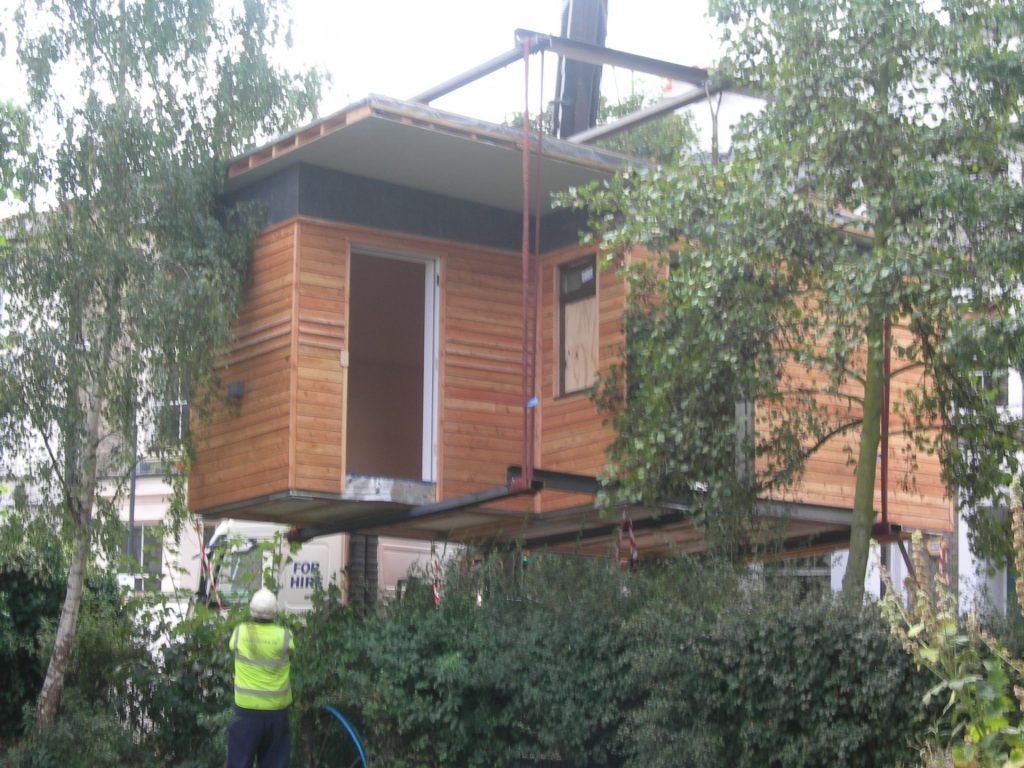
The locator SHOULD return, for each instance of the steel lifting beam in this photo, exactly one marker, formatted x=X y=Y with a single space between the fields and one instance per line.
x=558 y=481
x=606 y=529
x=398 y=516
x=653 y=112
x=570 y=49
x=596 y=54
x=469 y=76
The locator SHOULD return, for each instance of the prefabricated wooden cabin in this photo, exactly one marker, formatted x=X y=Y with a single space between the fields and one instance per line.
x=377 y=368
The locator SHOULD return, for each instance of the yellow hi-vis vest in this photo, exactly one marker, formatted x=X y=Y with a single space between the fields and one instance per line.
x=261 y=666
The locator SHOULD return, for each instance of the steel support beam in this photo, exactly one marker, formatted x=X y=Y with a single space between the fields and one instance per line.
x=558 y=481
x=470 y=75
x=570 y=49
x=399 y=516
x=653 y=112
x=596 y=54
x=811 y=513
x=606 y=529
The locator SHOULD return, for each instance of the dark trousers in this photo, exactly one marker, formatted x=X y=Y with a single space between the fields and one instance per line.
x=260 y=735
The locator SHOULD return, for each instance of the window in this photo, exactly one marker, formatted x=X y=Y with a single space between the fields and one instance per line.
x=995 y=384
x=577 y=297
x=809 y=576
x=147 y=542
x=172 y=413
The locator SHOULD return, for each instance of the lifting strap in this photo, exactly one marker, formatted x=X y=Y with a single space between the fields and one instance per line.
x=626 y=530
x=206 y=568
x=435 y=574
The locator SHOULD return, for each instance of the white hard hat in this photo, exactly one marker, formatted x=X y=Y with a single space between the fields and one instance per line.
x=263 y=604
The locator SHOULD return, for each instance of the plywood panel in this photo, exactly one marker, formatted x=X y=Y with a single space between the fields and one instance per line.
x=573 y=436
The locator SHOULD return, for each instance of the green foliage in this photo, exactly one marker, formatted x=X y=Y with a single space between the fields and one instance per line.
x=570 y=662
x=976 y=720
x=770 y=681
x=139 y=705
x=667 y=139
x=576 y=663
x=192 y=691
x=29 y=592
x=874 y=185
x=123 y=275
x=84 y=735
x=13 y=128
x=109 y=672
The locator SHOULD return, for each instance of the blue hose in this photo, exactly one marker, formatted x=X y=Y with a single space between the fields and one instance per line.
x=351 y=732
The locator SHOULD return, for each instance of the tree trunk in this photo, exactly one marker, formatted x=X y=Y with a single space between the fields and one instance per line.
x=79 y=481
x=867 y=461
x=53 y=685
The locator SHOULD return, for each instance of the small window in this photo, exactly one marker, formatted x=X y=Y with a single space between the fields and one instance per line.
x=147 y=542
x=995 y=384
x=578 y=318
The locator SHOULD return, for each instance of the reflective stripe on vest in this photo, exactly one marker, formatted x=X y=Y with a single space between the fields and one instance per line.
x=262 y=679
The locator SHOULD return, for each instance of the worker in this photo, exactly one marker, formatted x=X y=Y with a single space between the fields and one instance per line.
x=259 y=724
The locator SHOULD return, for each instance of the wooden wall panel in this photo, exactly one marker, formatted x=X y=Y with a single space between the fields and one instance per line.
x=242 y=452
x=917 y=495
x=481 y=399
x=290 y=351
x=322 y=341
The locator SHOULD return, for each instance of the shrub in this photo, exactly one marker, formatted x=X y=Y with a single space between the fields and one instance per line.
x=85 y=734
x=771 y=681
x=975 y=686
x=573 y=663
x=570 y=662
x=28 y=594
x=193 y=690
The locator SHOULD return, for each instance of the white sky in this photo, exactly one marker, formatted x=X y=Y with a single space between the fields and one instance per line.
x=400 y=48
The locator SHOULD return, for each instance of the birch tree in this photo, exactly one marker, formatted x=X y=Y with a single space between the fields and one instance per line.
x=123 y=274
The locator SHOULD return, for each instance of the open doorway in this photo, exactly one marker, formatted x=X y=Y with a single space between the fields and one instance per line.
x=391 y=367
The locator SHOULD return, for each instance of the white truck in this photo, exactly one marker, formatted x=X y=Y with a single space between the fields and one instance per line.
x=240 y=551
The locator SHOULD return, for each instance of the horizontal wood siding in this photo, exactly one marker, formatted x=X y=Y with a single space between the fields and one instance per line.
x=242 y=452
x=917 y=495
x=573 y=437
x=481 y=348
x=288 y=431
x=322 y=339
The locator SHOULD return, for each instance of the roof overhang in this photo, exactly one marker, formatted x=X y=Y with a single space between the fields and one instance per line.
x=417 y=146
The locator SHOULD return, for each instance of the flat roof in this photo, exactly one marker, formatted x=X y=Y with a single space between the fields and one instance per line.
x=417 y=146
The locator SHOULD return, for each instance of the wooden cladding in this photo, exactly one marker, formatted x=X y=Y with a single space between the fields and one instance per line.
x=481 y=347
x=286 y=431
x=290 y=431
x=242 y=452
x=321 y=319
x=917 y=496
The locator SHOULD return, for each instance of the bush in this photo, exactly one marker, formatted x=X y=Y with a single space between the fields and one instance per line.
x=193 y=691
x=570 y=662
x=772 y=681
x=533 y=671
x=28 y=594
x=574 y=663
x=83 y=735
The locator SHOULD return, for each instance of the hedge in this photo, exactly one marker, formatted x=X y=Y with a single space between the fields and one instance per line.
x=567 y=663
